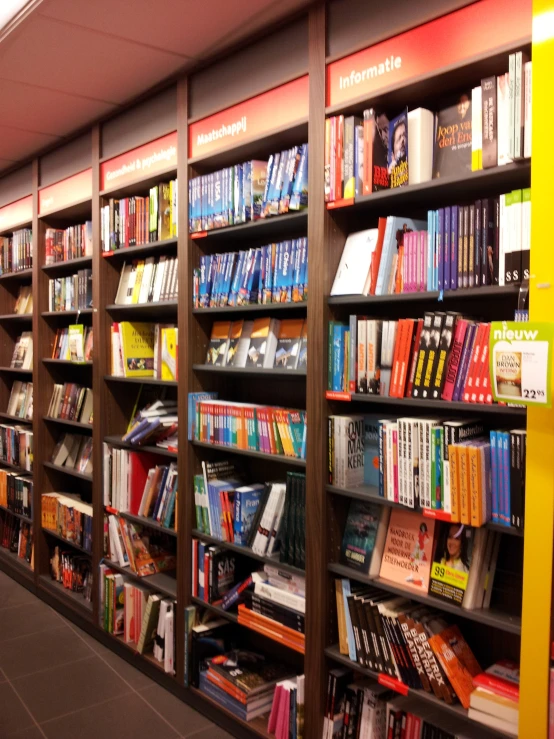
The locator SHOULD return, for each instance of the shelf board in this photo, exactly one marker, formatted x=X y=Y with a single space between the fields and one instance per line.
x=66 y=541
x=148 y=522
x=141 y=185
x=66 y=313
x=437 y=405
x=489 y=291
x=247 y=552
x=117 y=441
x=255 y=308
x=22 y=274
x=228 y=615
x=64 y=362
x=68 y=471
x=12 y=558
x=141 y=380
x=455 y=710
x=132 y=647
x=69 y=597
x=134 y=252
x=490 y=617
x=16 y=419
x=249 y=371
x=65 y=422
x=280 y=226
x=15 y=467
x=294 y=461
x=161 y=308
x=16 y=370
x=370 y=494
x=17 y=515
x=17 y=317
x=69 y=265
x=161 y=582
x=258 y=725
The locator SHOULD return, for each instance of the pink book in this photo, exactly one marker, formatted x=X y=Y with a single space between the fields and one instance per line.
x=454 y=359
x=272 y=723
x=405 y=278
x=423 y=275
x=395 y=463
x=282 y=729
x=408 y=550
x=477 y=395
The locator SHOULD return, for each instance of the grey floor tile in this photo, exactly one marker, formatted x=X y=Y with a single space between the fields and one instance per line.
x=212 y=732
x=51 y=694
x=128 y=716
x=27 y=619
x=13 y=716
x=14 y=594
x=29 y=654
x=183 y=718
x=33 y=732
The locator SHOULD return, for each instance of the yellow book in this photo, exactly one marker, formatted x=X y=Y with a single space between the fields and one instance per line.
x=454 y=482
x=463 y=481
x=343 y=637
x=138 y=281
x=137 y=348
x=164 y=212
x=169 y=353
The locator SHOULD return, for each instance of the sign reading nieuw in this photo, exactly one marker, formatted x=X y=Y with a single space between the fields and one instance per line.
x=474 y=30
x=16 y=213
x=275 y=109
x=73 y=189
x=144 y=161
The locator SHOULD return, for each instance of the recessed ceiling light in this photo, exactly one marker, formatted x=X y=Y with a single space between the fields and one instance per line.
x=9 y=9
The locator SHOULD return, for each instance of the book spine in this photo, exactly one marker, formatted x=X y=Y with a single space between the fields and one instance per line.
x=489 y=122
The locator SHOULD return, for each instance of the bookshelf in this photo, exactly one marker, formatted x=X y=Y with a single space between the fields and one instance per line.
x=506 y=628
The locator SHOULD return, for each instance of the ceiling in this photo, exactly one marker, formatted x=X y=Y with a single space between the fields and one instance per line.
x=66 y=63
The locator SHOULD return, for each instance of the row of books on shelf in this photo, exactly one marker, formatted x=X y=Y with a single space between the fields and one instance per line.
x=74 y=452
x=455 y=470
x=157 y=424
x=73 y=292
x=249 y=191
x=22 y=357
x=144 y=350
x=16 y=446
x=138 y=483
x=73 y=343
x=135 y=220
x=145 y=551
x=248 y=426
x=24 y=301
x=73 y=571
x=16 y=251
x=148 y=280
x=263 y=343
x=71 y=402
x=16 y=493
x=64 y=244
x=487 y=126
x=68 y=516
x=441 y=356
x=16 y=536
x=277 y=273
x=20 y=403
x=144 y=619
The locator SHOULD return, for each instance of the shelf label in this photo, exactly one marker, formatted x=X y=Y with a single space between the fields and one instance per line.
x=337 y=395
x=521 y=362
x=260 y=115
x=199 y=235
x=14 y=214
x=144 y=161
x=438 y=515
x=392 y=683
x=72 y=190
x=342 y=203
x=477 y=29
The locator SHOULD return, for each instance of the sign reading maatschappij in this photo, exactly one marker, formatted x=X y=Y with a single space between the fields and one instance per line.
x=521 y=362
x=260 y=115
x=137 y=164
x=472 y=31
x=66 y=192
x=16 y=213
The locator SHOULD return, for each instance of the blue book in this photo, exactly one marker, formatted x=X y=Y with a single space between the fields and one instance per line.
x=275 y=295
x=160 y=494
x=237 y=194
x=244 y=293
x=247 y=191
x=440 y=249
x=506 y=516
x=454 y=247
x=228 y=277
x=339 y=331
x=218 y=199
x=191 y=206
x=372 y=455
x=247 y=500
x=299 y=195
x=193 y=398
x=204 y=201
x=201 y=573
x=430 y=249
x=236 y=281
x=446 y=242
x=222 y=698
x=494 y=476
x=271 y=167
x=304 y=268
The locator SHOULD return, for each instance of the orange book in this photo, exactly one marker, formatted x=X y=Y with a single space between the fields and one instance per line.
x=271 y=628
x=454 y=482
x=398 y=348
x=457 y=661
x=398 y=283
x=405 y=355
x=475 y=473
x=463 y=484
x=229 y=688
x=376 y=256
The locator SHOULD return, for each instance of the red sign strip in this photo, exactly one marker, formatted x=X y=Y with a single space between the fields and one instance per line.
x=258 y=116
x=17 y=213
x=474 y=30
x=72 y=190
x=137 y=164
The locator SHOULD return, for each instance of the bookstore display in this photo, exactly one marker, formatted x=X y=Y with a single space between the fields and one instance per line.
x=73 y=344
x=144 y=350
x=148 y=281
x=73 y=293
x=16 y=251
x=74 y=242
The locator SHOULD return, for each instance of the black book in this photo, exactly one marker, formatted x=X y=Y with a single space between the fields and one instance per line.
x=477 y=258
x=489 y=122
x=430 y=367
x=422 y=354
x=471 y=248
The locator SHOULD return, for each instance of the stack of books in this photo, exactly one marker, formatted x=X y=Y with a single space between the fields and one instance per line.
x=24 y=302
x=68 y=516
x=22 y=357
x=71 y=293
x=16 y=493
x=137 y=220
x=16 y=446
x=495 y=700
x=74 y=451
x=73 y=571
x=73 y=343
x=74 y=242
x=16 y=251
x=277 y=273
x=148 y=280
x=155 y=425
x=144 y=551
x=249 y=191
x=144 y=350
x=72 y=402
x=20 y=403
x=17 y=537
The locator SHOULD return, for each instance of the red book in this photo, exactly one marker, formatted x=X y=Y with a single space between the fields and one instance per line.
x=376 y=256
x=404 y=354
x=454 y=359
x=474 y=363
x=398 y=348
x=482 y=369
x=413 y=357
x=339 y=166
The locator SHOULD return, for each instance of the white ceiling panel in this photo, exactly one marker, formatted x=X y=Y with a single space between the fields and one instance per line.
x=16 y=144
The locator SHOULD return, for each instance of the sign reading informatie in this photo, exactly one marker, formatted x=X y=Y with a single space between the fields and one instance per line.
x=475 y=30
x=140 y=163
x=67 y=192
x=260 y=115
x=16 y=214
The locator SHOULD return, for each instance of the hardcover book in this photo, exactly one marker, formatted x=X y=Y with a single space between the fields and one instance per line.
x=452 y=153
x=451 y=563
x=137 y=346
x=398 y=150
x=408 y=550
x=375 y=174
x=363 y=536
x=219 y=344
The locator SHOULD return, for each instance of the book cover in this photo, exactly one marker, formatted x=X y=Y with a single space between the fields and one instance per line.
x=452 y=152
x=489 y=122
x=360 y=533
x=398 y=150
x=168 y=354
x=408 y=550
x=219 y=344
x=288 y=343
x=375 y=174
x=451 y=562
x=137 y=344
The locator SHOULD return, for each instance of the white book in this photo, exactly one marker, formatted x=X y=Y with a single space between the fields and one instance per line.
x=168 y=640
x=121 y=296
x=502 y=242
x=274 y=532
x=290 y=600
x=391 y=428
x=271 y=343
x=146 y=279
x=355 y=262
x=401 y=423
x=503 y=118
x=476 y=129
x=527 y=128
x=239 y=360
x=107 y=474
x=421 y=138
x=115 y=542
x=511 y=104
x=259 y=545
x=158 y=281
x=131 y=284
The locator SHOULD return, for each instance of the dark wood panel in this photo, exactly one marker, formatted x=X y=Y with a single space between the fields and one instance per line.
x=67 y=160
x=16 y=185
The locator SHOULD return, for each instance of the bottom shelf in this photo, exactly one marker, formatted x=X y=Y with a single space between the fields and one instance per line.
x=455 y=710
x=257 y=725
x=131 y=646
x=68 y=597
x=11 y=558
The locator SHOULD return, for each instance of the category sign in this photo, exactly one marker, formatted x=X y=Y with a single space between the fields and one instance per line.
x=66 y=192
x=17 y=213
x=149 y=159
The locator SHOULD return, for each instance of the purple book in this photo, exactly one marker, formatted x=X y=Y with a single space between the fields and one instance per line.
x=454 y=247
x=440 y=249
x=446 y=250
x=467 y=352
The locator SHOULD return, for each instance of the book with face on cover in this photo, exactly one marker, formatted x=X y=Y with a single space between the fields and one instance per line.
x=408 y=551
x=364 y=536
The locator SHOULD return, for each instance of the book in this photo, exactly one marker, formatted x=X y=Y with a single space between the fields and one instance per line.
x=288 y=343
x=363 y=537
x=398 y=151
x=453 y=138
x=219 y=344
x=408 y=550
x=354 y=267
x=421 y=123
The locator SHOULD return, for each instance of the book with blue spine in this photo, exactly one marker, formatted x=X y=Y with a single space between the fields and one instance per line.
x=506 y=518
x=201 y=571
x=339 y=336
x=191 y=207
x=246 y=267
x=446 y=243
x=236 y=279
x=494 y=476
x=284 y=197
x=246 y=192
x=228 y=277
x=299 y=195
x=454 y=247
x=218 y=199
x=430 y=247
x=268 y=256
x=247 y=500
x=237 y=194
x=203 y=202
x=277 y=185
x=303 y=268
x=272 y=164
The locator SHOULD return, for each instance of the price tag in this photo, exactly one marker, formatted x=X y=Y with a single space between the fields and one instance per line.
x=521 y=362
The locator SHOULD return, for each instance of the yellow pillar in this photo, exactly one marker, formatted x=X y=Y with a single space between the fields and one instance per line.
x=539 y=504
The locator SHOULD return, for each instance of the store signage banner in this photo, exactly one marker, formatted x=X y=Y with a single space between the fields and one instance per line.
x=476 y=30
x=17 y=213
x=72 y=190
x=280 y=107
x=521 y=362
x=140 y=163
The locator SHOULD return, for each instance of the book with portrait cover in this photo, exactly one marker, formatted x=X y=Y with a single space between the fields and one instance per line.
x=375 y=174
x=452 y=561
x=408 y=550
x=398 y=150
x=452 y=150
x=364 y=536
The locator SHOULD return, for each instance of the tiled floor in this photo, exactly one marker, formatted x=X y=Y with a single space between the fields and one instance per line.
x=57 y=682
